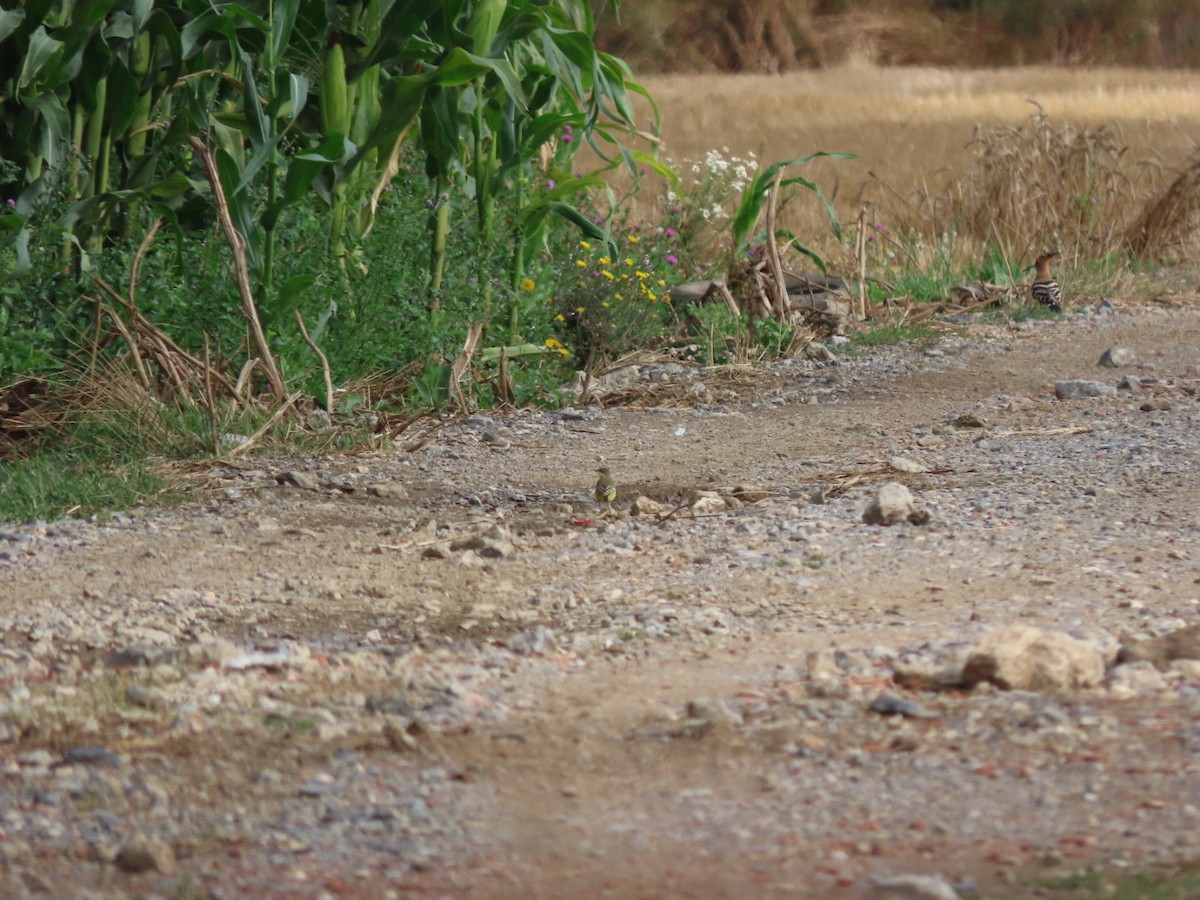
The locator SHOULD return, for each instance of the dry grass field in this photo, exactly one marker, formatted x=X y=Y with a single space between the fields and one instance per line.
x=915 y=130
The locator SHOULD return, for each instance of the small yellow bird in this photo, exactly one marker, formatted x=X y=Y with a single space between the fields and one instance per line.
x=606 y=488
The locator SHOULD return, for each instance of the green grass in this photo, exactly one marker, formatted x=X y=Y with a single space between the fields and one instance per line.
x=1177 y=883
x=889 y=334
x=56 y=484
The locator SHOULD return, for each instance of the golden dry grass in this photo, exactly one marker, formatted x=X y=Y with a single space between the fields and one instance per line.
x=913 y=127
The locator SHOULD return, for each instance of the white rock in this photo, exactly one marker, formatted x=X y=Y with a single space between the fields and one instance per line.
x=1135 y=679
x=891 y=504
x=1117 y=357
x=911 y=887
x=1080 y=388
x=1019 y=657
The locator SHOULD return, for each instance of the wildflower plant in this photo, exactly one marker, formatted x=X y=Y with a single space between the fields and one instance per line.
x=696 y=216
x=615 y=297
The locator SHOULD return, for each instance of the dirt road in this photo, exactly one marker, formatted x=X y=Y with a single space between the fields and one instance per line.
x=444 y=671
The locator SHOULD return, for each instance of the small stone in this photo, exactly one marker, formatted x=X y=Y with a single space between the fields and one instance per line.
x=1156 y=405
x=137 y=655
x=1117 y=358
x=920 y=517
x=387 y=490
x=891 y=705
x=494 y=439
x=911 y=887
x=1129 y=383
x=644 y=506
x=1134 y=680
x=968 y=420
x=1080 y=388
x=752 y=495
x=900 y=464
x=892 y=503
x=495 y=543
x=302 y=480
x=145 y=855
x=537 y=641
x=822 y=664
x=700 y=502
x=1183 y=643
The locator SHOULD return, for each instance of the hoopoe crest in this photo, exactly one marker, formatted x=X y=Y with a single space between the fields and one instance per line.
x=1045 y=290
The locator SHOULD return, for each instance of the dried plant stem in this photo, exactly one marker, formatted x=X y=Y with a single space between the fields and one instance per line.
x=135 y=350
x=860 y=260
x=210 y=404
x=781 y=293
x=267 y=426
x=241 y=271
x=137 y=260
x=324 y=363
x=462 y=363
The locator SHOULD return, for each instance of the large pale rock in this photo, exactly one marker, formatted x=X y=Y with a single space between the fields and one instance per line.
x=911 y=887
x=1117 y=357
x=1019 y=657
x=1081 y=388
x=891 y=504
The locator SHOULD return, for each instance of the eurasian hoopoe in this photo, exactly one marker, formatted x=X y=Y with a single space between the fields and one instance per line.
x=1045 y=289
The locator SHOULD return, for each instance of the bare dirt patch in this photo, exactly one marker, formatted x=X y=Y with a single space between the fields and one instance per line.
x=448 y=672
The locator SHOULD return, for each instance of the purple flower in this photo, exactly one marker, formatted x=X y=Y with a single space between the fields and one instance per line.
x=672 y=260
x=568 y=128
x=578 y=174
x=550 y=183
x=670 y=232
x=567 y=138
x=879 y=226
x=644 y=170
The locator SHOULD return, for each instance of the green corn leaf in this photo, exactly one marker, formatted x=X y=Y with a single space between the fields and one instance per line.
x=10 y=21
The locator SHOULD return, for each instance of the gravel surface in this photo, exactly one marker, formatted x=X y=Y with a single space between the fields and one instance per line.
x=440 y=669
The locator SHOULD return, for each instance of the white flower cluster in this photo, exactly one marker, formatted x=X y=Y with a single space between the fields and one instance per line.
x=718 y=165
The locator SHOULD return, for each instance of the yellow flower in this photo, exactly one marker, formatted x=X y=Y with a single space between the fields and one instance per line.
x=650 y=295
x=528 y=284
x=560 y=318
x=618 y=296
x=662 y=282
x=633 y=239
x=585 y=245
x=582 y=263
x=604 y=303
x=563 y=352
x=580 y=310
x=628 y=261
x=551 y=343
x=607 y=274
x=606 y=261
x=642 y=275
